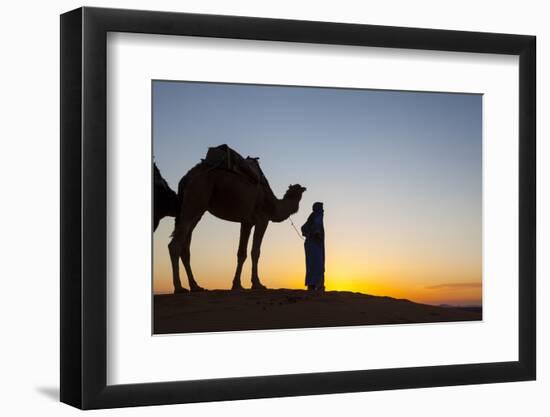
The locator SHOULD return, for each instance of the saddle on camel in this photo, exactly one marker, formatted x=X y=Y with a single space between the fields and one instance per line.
x=224 y=157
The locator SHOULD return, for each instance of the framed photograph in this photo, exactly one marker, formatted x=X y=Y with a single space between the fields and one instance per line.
x=261 y=208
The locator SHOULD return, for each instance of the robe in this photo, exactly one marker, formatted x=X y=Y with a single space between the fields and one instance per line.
x=314 y=246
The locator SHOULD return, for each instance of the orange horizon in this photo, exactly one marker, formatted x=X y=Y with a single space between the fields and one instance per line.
x=382 y=270
x=370 y=271
x=474 y=300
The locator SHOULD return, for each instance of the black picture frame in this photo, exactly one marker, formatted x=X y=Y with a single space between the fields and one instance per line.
x=84 y=207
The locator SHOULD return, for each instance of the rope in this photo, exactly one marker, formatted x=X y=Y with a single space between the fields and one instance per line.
x=294 y=226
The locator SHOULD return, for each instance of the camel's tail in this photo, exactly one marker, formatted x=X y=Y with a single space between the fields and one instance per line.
x=181 y=191
x=179 y=202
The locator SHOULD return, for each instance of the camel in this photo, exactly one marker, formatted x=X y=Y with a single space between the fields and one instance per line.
x=230 y=196
x=165 y=199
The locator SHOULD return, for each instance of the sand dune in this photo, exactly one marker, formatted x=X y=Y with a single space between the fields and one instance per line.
x=222 y=310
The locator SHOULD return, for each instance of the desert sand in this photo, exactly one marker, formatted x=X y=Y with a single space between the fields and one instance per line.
x=223 y=310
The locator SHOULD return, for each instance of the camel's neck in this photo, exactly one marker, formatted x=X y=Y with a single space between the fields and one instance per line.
x=283 y=208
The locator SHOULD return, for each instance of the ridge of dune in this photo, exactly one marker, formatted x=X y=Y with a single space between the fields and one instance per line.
x=223 y=310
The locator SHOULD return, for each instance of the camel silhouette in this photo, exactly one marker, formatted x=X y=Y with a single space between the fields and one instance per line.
x=233 y=189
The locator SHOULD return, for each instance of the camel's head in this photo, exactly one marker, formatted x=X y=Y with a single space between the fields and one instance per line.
x=295 y=191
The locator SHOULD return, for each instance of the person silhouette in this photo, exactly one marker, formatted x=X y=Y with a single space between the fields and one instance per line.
x=314 y=232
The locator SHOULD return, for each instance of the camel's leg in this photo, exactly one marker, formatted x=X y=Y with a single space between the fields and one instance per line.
x=178 y=247
x=259 y=230
x=185 y=255
x=174 y=248
x=241 y=254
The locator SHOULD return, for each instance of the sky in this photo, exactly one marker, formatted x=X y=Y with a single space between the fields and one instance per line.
x=399 y=173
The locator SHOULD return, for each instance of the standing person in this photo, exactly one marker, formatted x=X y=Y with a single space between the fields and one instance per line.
x=314 y=245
